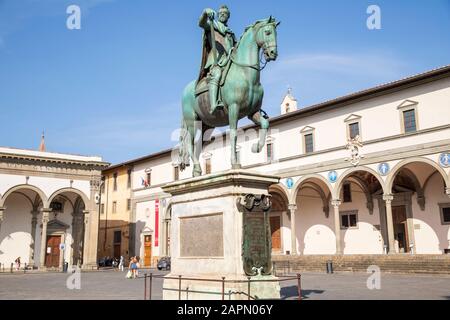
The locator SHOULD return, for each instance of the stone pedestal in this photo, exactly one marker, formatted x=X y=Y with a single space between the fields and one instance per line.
x=220 y=228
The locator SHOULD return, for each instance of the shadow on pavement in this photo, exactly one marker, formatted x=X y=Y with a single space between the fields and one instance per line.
x=291 y=292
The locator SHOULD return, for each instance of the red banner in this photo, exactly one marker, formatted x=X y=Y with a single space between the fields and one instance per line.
x=156 y=222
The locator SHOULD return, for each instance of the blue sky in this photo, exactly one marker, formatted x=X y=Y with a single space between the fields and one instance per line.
x=113 y=88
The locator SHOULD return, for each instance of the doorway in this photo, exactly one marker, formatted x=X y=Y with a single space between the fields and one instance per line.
x=147 y=250
x=276 y=233
x=400 y=228
x=52 y=253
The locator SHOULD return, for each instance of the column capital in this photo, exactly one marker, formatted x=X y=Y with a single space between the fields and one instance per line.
x=1 y=216
x=447 y=191
x=46 y=210
x=2 y=209
x=336 y=202
x=292 y=207
x=388 y=198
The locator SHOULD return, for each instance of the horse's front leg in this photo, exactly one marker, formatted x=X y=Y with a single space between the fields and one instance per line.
x=233 y=114
x=193 y=149
x=258 y=119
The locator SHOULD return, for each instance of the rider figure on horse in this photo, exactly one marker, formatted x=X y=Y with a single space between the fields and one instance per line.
x=218 y=41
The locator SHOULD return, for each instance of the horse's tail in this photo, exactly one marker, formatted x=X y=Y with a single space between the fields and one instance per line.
x=183 y=153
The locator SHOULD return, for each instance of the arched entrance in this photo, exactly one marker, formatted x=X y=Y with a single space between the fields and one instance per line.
x=360 y=224
x=314 y=231
x=419 y=203
x=20 y=231
x=65 y=236
x=278 y=219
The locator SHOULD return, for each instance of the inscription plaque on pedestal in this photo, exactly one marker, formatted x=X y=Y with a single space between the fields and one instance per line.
x=257 y=241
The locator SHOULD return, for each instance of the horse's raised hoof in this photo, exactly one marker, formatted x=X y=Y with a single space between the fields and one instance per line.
x=256 y=148
x=236 y=166
x=197 y=171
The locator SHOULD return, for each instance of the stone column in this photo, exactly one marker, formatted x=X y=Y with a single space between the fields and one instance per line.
x=34 y=215
x=45 y=214
x=86 y=238
x=389 y=221
x=337 y=225
x=2 y=210
x=292 y=211
x=91 y=219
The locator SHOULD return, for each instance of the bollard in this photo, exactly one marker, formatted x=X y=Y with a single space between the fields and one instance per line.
x=145 y=286
x=179 y=287
x=12 y=264
x=299 y=286
x=25 y=268
x=248 y=289
x=329 y=266
x=150 y=287
x=223 y=288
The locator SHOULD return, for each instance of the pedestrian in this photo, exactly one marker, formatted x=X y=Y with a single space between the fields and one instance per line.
x=138 y=265
x=17 y=263
x=121 y=262
x=134 y=267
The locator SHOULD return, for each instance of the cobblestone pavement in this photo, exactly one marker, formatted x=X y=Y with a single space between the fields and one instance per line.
x=106 y=285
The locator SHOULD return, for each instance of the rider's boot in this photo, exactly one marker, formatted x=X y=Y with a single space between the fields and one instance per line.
x=213 y=91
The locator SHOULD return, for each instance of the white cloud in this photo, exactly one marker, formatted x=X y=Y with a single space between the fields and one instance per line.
x=371 y=65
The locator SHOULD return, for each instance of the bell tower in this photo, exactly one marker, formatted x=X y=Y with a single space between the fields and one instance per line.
x=289 y=103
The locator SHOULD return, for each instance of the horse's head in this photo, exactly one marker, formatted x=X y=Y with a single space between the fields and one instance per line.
x=266 y=37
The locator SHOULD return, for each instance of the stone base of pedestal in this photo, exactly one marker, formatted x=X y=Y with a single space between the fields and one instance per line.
x=213 y=290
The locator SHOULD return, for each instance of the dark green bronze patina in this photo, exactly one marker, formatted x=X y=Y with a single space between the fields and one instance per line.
x=228 y=87
x=257 y=241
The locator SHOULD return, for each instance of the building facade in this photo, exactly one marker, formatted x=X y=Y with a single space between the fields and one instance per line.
x=367 y=173
x=115 y=213
x=48 y=208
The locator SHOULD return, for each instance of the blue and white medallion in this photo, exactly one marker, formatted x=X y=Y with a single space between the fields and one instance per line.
x=289 y=183
x=444 y=160
x=332 y=176
x=383 y=168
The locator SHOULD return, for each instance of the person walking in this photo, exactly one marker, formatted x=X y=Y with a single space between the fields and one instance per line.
x=133 y=267
x=17 y=261
x=121 y=262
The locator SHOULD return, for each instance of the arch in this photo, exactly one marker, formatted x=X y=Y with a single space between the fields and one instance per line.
x=325 y=200
x=60 y=191
x=427 y=180
x=24 y=186
x=305 y=178
x=348 y=172
x=362 y=184
x=396 y=169
x=281 y=190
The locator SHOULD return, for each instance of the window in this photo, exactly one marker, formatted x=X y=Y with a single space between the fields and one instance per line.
x=129 y=179
x=115 y=182
x=207 y=166
x=409 y=120
x=176 y=173
x=117 y=237
x=353 y=129
x=102 y=208
x=309 y=144
x=347 y=192
x=114 y=207
x=269 y=152
x=349 y=219
x=149 y=178
x=445 y=212
x=307 y=139
x=128 y=204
